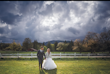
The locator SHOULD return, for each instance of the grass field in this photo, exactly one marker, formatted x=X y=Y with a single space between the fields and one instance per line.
x=64 y=66
x=29 y=52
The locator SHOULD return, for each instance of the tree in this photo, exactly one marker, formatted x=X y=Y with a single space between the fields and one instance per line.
x=65 y=41
x=52 y=47
x=92 y=41
x=35 y=43
x=79 y=44
x=10 y=47
x=55 y=45
x=105 y=40
x=70 y=46
x=14 y=46
x=62 y=46
x=45 y=48
x=3 y=46
x=43 y=44
x=49 y=45
x=27 y=44
x=19 y=47
x=65 y=46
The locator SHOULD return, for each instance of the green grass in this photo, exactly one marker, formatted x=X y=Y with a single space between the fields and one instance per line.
x=29 y=52
x=64 y=66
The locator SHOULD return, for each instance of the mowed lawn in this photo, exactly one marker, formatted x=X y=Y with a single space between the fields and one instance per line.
x=66 y=66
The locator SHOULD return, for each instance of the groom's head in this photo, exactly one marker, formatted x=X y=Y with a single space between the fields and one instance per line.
x=42 y=47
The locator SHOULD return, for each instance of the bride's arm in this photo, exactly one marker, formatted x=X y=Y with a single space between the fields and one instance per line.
x=50 y=55
x=46 y=54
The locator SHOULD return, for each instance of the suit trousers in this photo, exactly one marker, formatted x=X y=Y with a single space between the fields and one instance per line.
x=40 y=62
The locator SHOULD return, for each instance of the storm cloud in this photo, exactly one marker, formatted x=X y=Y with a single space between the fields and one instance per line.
x=52 y=20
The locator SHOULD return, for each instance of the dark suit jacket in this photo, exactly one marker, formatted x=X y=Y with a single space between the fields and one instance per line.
x=40 y=54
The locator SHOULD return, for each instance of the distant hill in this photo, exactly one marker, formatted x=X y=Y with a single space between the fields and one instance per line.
x=53 y=41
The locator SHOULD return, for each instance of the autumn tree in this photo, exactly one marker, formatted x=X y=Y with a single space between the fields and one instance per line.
x=60 y=46
x=105 y=40
x=79 y=44
x=92 y=41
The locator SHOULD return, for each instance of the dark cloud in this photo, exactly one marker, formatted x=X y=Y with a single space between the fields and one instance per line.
x=68 y=20
x=1 y=30
x=14 y=33
x=10 y=11
x=73 y=30
x=5 y=12
x=103 y=10
x=9 y=18
x=5 y=39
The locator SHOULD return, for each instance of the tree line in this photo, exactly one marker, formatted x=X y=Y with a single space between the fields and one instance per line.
x=93 y=42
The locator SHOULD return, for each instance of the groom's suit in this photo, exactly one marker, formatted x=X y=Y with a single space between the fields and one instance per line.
x=40 y=54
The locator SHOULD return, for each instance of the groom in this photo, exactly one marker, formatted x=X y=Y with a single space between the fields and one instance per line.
x=40 y=54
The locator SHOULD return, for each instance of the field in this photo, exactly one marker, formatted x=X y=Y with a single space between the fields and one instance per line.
x=64 y=66
x=29 y=52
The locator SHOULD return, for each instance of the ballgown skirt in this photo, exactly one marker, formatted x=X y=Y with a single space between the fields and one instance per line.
x=49 y=64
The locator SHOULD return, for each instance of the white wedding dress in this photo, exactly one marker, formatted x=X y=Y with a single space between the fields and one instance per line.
x=48 y=64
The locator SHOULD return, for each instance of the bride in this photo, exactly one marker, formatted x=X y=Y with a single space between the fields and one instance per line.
x=48 y=63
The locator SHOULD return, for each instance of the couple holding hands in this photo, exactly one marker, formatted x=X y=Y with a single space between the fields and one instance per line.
x=47 y=63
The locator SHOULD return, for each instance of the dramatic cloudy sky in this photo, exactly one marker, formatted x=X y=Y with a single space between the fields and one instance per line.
x=49 y=20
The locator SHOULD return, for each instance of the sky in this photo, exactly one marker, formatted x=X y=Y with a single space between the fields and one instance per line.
x=52 y=20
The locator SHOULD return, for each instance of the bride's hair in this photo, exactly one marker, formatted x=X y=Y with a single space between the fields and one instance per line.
x=49 y=50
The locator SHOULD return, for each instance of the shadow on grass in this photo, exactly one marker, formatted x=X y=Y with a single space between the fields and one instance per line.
x=54 y=71
x=42 y=72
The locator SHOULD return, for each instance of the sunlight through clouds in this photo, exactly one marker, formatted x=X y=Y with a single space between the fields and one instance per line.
x=49 y=21
x=52 y=20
